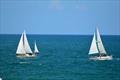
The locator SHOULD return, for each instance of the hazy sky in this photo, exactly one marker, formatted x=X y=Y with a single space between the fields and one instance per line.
x=59 y=16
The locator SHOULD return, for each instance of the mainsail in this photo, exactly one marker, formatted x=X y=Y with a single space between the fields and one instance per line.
x=23 y=46
x=35 y=48
x=100 y=44
x=97 y=45
x=26 y=44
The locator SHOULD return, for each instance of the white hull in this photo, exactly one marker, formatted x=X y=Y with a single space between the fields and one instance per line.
x=25 y=55
x=101 y=58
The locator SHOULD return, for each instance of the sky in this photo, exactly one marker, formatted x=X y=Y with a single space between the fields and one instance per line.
x=60 y=16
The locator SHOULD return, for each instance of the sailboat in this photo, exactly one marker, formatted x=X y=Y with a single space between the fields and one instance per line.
x=97 y=50
x=24 y=49
x=36 y=51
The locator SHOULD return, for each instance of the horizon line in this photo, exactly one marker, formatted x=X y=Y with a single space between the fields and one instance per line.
x=54 y=34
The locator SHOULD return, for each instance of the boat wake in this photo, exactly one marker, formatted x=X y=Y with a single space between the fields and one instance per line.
x=24 y=62
x=118 y=59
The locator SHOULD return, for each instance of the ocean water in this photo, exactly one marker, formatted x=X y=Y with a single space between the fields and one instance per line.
x=62 y=57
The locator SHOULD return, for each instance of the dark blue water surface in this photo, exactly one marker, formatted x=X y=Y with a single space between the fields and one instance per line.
x=62 y=57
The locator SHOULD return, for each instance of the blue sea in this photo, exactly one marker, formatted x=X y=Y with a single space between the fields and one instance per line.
x=62 y=57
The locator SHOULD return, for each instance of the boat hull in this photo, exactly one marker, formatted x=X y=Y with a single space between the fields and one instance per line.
x=25 y=55
x=101 y=58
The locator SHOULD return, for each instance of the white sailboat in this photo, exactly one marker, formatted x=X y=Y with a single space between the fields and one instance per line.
x=36 y=51
x=24 y=49
x=98 y=49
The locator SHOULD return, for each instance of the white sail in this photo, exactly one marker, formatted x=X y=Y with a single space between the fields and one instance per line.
x=23 y=46
x=35 y=48
x=26 y=44
x=93 y=48
x=100 y=44
x=20 y=49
